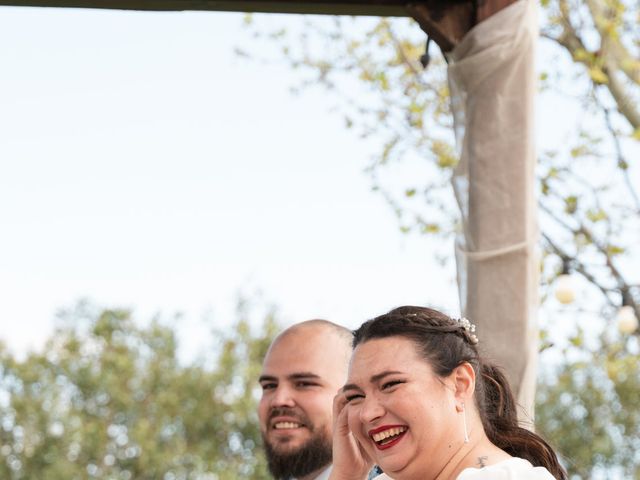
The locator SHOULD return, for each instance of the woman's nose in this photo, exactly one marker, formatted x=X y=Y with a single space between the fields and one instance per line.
x=371 y=409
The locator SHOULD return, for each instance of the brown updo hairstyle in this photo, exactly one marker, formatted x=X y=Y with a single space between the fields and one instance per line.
x=445 y=344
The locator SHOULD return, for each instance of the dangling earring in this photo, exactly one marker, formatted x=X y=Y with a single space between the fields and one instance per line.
x=464 y=423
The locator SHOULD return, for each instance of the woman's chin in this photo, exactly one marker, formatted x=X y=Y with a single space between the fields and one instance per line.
x=392 y=466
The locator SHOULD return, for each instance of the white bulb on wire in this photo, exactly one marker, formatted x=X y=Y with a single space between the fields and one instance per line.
x=565 y=289
x=627 y=320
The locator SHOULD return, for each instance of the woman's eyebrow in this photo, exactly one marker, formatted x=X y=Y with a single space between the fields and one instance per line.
x=375 y=378
x=350 y=386
x=379 y=376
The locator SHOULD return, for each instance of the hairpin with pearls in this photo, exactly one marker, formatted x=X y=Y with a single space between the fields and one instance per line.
x=469 y=328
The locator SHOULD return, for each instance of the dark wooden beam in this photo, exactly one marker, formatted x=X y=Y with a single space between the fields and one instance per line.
x=383 y=8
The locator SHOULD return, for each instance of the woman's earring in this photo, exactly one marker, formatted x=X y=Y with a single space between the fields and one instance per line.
x=464 y=423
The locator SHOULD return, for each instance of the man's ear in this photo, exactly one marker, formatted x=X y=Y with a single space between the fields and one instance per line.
x=464 y=382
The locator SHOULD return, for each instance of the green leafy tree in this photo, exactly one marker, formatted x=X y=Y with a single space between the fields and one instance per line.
x=588 y=188
x=589 y=406
x=110 y=399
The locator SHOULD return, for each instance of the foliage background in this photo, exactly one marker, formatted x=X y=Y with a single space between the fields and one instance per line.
x=108 y=398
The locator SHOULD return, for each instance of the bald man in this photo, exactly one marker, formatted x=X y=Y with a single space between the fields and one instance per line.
x=303 y=370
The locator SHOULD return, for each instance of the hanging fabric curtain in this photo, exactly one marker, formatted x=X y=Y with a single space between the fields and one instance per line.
x=493 y=84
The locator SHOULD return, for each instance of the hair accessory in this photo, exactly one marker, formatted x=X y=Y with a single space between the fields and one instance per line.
x=470 y=328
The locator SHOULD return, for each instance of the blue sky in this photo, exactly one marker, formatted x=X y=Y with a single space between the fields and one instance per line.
x=143 y=164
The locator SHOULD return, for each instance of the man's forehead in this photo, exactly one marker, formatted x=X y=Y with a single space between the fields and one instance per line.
x=288 y=361
x=312 y=349
x=300 y=344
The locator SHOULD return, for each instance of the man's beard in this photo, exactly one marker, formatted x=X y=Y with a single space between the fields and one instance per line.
x=312 y=456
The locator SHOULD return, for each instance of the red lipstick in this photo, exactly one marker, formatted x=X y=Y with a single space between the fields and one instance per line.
x=389 y=441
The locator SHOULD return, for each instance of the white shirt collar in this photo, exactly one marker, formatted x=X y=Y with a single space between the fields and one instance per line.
x=324 y=475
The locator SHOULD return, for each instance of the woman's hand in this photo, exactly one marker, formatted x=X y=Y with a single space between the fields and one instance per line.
x=350 y=461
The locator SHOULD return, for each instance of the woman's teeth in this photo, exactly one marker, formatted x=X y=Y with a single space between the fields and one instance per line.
x=380 y=437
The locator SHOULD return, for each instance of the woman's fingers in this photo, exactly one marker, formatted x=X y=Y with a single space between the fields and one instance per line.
x=349 y=458
x=340 y=414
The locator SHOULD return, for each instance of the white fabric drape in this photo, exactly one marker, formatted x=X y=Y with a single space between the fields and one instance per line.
x=493 y=84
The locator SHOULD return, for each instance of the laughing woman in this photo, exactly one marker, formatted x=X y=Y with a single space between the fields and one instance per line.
x=421 y=403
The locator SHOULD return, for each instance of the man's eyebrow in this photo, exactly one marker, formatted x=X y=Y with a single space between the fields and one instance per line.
x=292 y=376
x=374 y=379
x=302 y=375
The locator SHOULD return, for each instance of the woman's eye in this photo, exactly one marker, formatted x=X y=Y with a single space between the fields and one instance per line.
x=353 y=397
x=391 y=384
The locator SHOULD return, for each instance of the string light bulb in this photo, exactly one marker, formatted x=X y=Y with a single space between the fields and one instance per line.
x=627 y=320
x=565 y=288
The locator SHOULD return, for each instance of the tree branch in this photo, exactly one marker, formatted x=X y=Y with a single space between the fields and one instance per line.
x=622 y=284
x=613 y=62
x=627 y=63
x=626 y=104
x=622 y=162
x=579 y=267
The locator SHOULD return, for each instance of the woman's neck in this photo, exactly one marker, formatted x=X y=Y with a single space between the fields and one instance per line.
x=477 y=453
